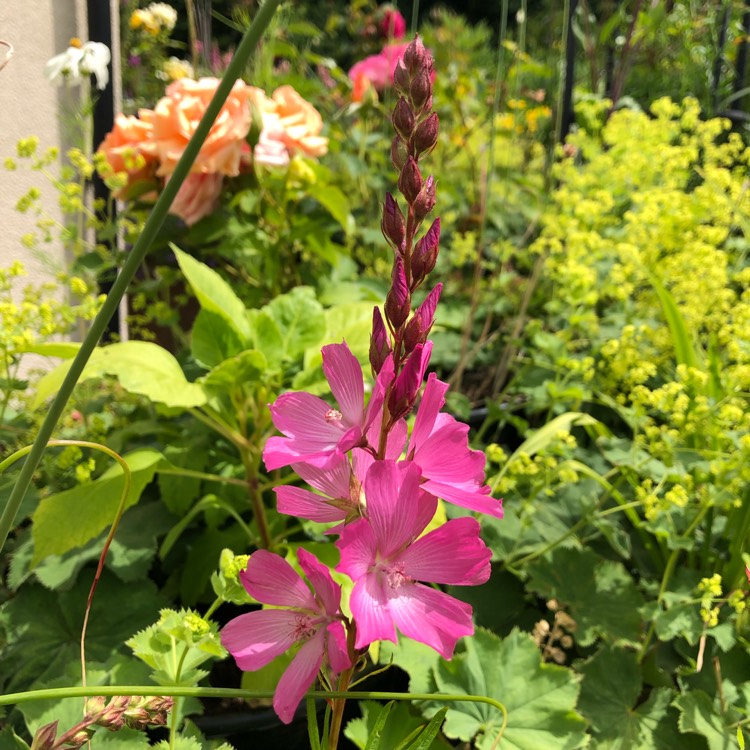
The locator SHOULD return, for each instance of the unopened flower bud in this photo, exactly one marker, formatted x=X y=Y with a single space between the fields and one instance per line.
x=407 y=384
x=398 y=301
x=416 y=57
x=79 y=739
x=425 y=254
x=95 y=705
x=410 y=180
x=399 y=153
x=380 y=346
x=45 y=737
x=426 y=134
x=393 y=223
x=425 y=200
x=420 y=90
x=418 y=328
x=401 y=77
x=403 y=119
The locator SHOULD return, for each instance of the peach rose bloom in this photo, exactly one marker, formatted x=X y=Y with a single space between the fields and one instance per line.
x=297 y=121
x=177 y=115
x=197 y=197
x=129 y=138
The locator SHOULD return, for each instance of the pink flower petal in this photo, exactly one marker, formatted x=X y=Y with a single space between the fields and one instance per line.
x=302 y=416
x=333 y=481
x=358 y=548
x=336 y=647
x=473 y=497
x=295 y=501
x=452 y=554
x=374 y=408
x=344 y=375
x=270 y=579
x=257 y=638
x=327 y=591
x=298 y=678
x=430 y=617
x=446 y=457
x=432 y=402
x=369 y=605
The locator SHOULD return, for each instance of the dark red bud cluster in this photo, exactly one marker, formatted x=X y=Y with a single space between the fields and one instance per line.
x=425 y=254
x=393 y=224
x=398 y=300
x=418 y=328
x=380 y=345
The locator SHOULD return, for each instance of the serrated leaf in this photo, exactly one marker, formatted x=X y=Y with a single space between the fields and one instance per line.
x=213 y=293
x=213 y=339
x=540 y=698
x=698 y=714
x=599 y=594
x=43 y=629
x=141 y=367
x=71 y=518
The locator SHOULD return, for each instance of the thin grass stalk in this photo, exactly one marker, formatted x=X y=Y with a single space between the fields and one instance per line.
x=149 y=233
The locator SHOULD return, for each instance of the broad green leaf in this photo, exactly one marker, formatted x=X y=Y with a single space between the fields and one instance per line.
x=698 y=714
x=300 y=320
x=42 y=630
x=540 y=698
x=9 y=740
x=179 y=492
x=333 y=199
x=610 y=703
x=62 y=349
x=246 y=367
x=599 y=594
x=213 y=293
x=71 y=518
x=141 y=367
x=267 y=336
x=213 y=339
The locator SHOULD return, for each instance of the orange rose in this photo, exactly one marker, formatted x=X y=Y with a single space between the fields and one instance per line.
x=177 y=115
x=298 y=121
x=129 y=146
x=197 y=197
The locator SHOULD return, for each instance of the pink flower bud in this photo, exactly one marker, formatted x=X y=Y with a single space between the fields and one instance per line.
x=403 y=119
x=380 y=346
x=420 y=90
x=425 y=200
x=399 y=153
x=416 y=57
x=392 y=25
x=425 y=253
x=45 y=737
x=410 y=180
x=398 y=301
x=426 y=135
x=401 y=77
x=409 y=381
x=393 y=223
x=418 y=328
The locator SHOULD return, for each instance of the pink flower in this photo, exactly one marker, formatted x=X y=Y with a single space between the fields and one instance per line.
x=439 y=446
x=197 y=197
x=392 y=25
x=377 y=70
x=315 y=433
x=257 y=638
x=386 y=561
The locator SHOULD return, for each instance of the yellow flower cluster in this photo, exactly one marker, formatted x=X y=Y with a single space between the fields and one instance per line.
x=157 y=18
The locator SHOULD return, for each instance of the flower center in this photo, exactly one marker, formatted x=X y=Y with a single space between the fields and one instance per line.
x=75 y=42
x=394 y=575
x=333 y=415
x=304 y=627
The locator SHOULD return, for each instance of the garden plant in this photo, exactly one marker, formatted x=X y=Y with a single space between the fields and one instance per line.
x=430 y=425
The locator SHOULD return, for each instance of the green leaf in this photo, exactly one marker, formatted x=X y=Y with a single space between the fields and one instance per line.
x=213 y=293
x=599 y=594
x=300 y=320
x=42 y=630
x=213 y=339
x=334 y=200
x=141 y=367
x=376 y=735
x=424 y=741
x=540 y=698
x=9 y=740
x=246 y=367
x=62 y=349
x=610 y=703
x=697 y=714
x=71 y=518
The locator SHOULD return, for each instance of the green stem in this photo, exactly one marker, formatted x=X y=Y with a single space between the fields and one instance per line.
x=256 y=499
x=176 y=705
x=202 y=475
x=136 y=255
